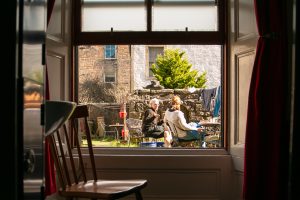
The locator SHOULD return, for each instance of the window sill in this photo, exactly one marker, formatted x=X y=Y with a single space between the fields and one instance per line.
x=157 y=151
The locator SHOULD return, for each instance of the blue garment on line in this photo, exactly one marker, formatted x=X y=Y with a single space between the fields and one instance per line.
x=217 y=103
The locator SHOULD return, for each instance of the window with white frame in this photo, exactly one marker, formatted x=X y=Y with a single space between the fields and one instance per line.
x=110 y=51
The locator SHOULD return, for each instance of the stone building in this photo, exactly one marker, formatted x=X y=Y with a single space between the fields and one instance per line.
x=104 y=64
x=202 y=57
x=127 y=66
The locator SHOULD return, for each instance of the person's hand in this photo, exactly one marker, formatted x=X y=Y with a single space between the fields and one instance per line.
x=156 y=115
x=201 y=129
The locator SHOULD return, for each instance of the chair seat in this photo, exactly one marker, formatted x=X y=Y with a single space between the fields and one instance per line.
x=104 y=189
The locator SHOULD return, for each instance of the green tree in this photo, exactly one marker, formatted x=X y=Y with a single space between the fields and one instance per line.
x=173 y=70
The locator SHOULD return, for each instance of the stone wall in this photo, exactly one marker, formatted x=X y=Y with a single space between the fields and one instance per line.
x=191 y=107
x=139 y=101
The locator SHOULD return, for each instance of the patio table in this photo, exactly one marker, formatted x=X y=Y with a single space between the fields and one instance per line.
x=116 y=126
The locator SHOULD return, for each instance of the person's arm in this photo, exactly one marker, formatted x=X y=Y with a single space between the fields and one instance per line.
x=160 y=121
x=149 y=116
x=182 y=123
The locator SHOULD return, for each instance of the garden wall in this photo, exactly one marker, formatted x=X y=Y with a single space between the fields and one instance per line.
x=138 y=102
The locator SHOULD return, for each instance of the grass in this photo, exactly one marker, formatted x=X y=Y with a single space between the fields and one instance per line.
x=112 y=142
x=109 y=142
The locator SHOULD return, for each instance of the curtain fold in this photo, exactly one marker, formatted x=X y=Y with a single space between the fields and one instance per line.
x=267 y=131
x=50 y=181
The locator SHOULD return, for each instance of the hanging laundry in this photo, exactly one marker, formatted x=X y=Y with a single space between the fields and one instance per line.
x=206 y=96
x=217 y=106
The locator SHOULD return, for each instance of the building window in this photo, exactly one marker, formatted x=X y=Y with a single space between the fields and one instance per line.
x=153 y=52
x=109 y=78
x=110 y=51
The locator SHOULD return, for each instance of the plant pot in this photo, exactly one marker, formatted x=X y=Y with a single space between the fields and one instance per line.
x=122 y=115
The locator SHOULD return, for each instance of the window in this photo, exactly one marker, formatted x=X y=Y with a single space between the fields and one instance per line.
x=114 y=15
x=153 y=52
x=109 y=78
x=149 y=22
x=139 y=40
x=110 y=51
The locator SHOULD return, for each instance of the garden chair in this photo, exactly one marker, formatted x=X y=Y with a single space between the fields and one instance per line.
x=134 y=127
x=177 y=141
x=71 y=186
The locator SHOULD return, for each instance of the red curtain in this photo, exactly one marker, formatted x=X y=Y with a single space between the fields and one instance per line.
x=267 y=132
x=50 y=183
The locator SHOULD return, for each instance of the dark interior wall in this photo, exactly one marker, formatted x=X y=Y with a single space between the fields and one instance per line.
x=10 y=173
x=295 y=166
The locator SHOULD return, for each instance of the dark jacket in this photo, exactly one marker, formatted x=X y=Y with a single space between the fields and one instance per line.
x=150 y=122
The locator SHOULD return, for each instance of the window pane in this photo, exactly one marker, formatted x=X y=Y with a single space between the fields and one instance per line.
x=121 y=15
x=153 y=52
x=176 y=15
x=105 y=85
x=110 y=51
x=110 y=78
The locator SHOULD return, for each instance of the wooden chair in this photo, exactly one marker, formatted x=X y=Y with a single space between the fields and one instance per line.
x=70 y=185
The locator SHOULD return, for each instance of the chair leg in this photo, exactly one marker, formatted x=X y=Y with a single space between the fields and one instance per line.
x=138 y=195
x=128 y=141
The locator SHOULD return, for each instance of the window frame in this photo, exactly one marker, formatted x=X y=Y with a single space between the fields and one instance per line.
x=148 y=60
x=161 y=38
x=110 y=76
x=150 y=37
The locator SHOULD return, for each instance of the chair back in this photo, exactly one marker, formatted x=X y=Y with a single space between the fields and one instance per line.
x=57 y=113
x=173 y=129
x=134 y=124
x=134 y=127
x=62 y=159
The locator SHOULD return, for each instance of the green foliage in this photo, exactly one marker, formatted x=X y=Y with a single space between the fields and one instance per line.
x=173 y=71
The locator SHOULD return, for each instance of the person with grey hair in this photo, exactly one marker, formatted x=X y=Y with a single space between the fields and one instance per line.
x=152 y=125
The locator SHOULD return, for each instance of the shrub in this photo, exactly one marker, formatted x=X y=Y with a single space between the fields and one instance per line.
x=173 y=70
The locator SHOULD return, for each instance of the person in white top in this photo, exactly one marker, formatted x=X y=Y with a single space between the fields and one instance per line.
x=184 y=130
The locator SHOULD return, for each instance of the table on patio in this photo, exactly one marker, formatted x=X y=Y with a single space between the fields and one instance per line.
x=213 y=131
x=117 y=127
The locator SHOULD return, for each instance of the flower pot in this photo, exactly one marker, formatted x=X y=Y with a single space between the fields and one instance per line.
x=122 y=115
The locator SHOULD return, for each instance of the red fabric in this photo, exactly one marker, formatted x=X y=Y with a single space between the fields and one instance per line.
x=50 y=183
x=267 y=132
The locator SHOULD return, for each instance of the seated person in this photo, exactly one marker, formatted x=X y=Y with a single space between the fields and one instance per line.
x=184 y=130
x=152 y=125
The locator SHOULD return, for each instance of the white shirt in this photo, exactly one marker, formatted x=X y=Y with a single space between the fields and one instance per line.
x=177 y=118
